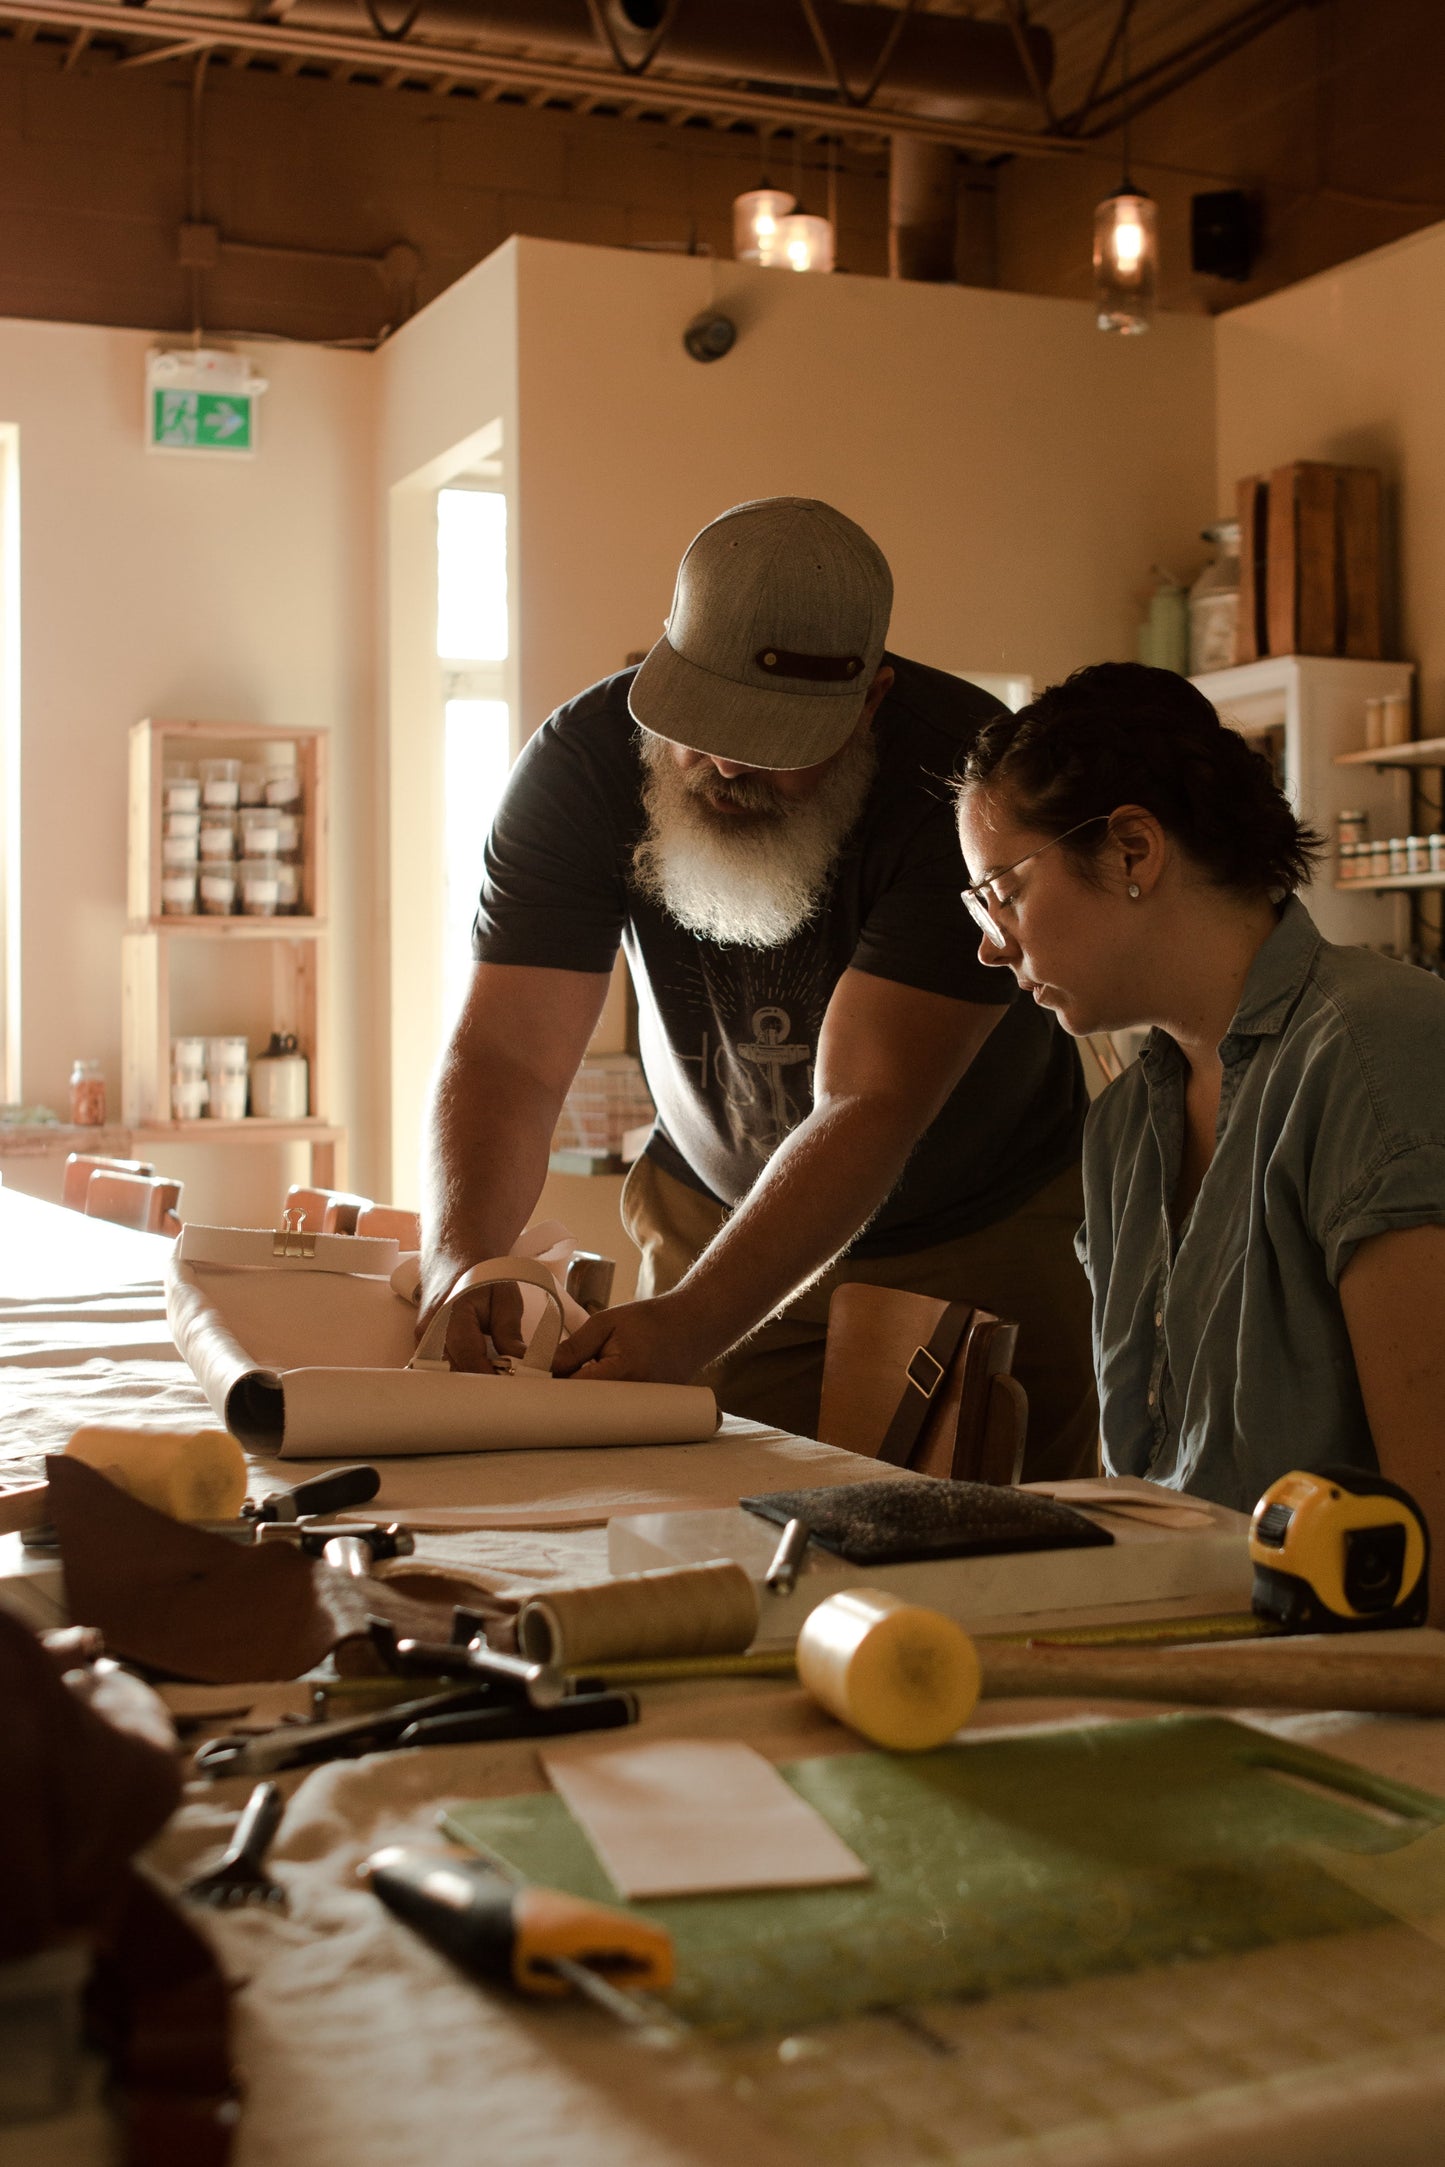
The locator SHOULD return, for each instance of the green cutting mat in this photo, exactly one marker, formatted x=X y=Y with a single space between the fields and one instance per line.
x=1012 y=1862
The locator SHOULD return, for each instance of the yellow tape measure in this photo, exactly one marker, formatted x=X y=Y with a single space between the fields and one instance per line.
x=1339 y=1550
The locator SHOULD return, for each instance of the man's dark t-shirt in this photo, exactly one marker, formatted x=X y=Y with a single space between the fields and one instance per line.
x=729 y=1033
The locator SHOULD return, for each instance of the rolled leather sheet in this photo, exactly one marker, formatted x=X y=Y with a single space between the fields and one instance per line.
x=311 y=1364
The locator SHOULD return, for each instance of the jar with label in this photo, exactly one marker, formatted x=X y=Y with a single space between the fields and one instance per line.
x=1397 y=855
x=283 y=786
x=1347 y=860
x=288 y=886
x=1214 y=602
x=178 y=891
x=1380 y=859
x=288 y=833
x=1437 y=853
x=260 y=887
x=217 y=887
x=217 y=839
x=260 y=827
x=221 y=783
x=87 y=1095
x=180 y=788
x=1352 y=827
x=1417 y=854
x=188 y=1057
x=181 y=849
x=1395 y=719
x=227 y=1097
x=253 y=783
x=189 y=1095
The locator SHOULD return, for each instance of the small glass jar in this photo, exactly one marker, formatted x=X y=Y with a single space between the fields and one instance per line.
x=1436 y=845
x=181 y=824
x=180 y=849
x=1397 y=855
x=260 y=887
x=217 y=887
x=289 y=830
x=217 y=837
x=253 y=783
x=178 y=891
x=229 y=1056
x=228 y=1095
x=188 y=1097
x=188 y=1057
x=221 y=783
x=260 y=828
x=180 y=788
x=1380 y=859
x=283 y=786
x=288 y=886
x=87 y=1095
x=1417 y=854
x=1352 y=827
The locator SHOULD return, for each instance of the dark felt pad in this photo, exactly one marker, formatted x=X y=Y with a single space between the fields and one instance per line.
x=888 y=1523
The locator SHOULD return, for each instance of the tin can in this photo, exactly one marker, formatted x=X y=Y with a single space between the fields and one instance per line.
x=1398 y=862
x=1417 y=854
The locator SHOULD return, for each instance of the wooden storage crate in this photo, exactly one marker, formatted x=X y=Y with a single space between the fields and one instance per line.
x=155 y=942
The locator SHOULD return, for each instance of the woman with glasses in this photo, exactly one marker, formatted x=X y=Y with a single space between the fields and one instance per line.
x=1265 y=1188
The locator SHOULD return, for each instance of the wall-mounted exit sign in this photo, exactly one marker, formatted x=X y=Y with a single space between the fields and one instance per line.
x=199 y=400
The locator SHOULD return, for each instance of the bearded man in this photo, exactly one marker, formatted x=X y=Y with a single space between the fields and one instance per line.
x=760 y=814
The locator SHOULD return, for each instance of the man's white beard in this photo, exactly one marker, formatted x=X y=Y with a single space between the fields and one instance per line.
x=744 y=881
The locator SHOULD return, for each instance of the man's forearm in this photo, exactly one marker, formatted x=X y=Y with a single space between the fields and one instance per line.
x=490 y=1135
x=821 y=1186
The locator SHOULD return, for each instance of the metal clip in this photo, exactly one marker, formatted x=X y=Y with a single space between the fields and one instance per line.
x=290 y=1241
x=924 y=1372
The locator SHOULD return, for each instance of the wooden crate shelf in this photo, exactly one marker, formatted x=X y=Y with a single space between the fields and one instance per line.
x=295 y=983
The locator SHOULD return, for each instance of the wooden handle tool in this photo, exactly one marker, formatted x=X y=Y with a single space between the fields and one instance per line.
x=1323 y=1671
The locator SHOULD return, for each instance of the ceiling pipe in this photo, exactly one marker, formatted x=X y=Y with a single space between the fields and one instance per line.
x=922 y=209
x=944 y=62
x=163 y=31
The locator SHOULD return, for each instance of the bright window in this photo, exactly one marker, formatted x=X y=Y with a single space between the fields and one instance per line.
x=9 y=762
x=472 y=648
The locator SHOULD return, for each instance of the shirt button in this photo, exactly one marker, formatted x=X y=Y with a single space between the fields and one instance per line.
x=1158 y=1318
x=1150 y=1401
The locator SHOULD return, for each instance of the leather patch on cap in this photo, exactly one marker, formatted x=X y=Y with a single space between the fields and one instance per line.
x=818 y=669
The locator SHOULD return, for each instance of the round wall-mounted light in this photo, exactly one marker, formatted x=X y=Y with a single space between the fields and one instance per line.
x=757 y=217
x=709 y=336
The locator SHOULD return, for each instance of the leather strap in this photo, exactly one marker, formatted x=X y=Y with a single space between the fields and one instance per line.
x=923 y=1377
x=431 y=1349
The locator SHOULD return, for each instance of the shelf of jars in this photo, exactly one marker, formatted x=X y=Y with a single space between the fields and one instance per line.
x=228 y=846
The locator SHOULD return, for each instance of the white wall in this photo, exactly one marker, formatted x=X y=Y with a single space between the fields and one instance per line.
x=1347 y=367
x=183 y=588
x=1019 y=470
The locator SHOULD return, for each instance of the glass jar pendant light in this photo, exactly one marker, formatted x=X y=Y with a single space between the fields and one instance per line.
x=1126 y=259
x=807 y=242
x=1126 y=236
x=758 y=218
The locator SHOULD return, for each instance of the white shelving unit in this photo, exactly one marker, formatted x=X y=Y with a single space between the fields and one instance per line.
x=1310 y=711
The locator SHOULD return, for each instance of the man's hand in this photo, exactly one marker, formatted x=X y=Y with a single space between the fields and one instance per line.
x=642 y=1342
x=487 y=1323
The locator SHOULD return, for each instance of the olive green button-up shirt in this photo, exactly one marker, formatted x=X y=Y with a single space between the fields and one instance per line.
x=1221 y=1349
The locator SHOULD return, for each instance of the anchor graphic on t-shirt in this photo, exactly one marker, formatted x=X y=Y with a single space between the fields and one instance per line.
x=772 y=1055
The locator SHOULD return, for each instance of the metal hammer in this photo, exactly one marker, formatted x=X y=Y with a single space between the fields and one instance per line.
x=348 y=1549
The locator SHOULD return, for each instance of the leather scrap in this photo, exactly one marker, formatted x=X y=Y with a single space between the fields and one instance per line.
x=198 y=1606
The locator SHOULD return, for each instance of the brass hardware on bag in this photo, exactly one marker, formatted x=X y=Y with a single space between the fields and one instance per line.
x=290 y=1241
x=930 y=1362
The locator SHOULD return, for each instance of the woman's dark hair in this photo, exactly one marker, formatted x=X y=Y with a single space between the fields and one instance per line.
x=1120 y=734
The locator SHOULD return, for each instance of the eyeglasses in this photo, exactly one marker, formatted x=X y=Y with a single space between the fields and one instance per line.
x=979 y=902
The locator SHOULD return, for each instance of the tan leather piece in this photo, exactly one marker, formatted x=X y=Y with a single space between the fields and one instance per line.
x=200 y=1607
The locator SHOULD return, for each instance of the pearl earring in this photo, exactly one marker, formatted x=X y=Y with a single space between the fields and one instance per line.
x=1134 y=890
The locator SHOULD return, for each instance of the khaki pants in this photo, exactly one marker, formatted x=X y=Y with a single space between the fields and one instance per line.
x=1023 y=1268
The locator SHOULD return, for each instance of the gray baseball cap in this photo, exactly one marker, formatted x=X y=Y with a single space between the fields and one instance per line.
x=776 y=632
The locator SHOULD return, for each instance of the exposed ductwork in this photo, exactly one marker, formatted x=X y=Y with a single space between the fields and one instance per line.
x=938 y=63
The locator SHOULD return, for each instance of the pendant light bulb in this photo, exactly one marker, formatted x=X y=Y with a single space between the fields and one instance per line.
x=758 y=217
x=1126 y=260
x=806 y=242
